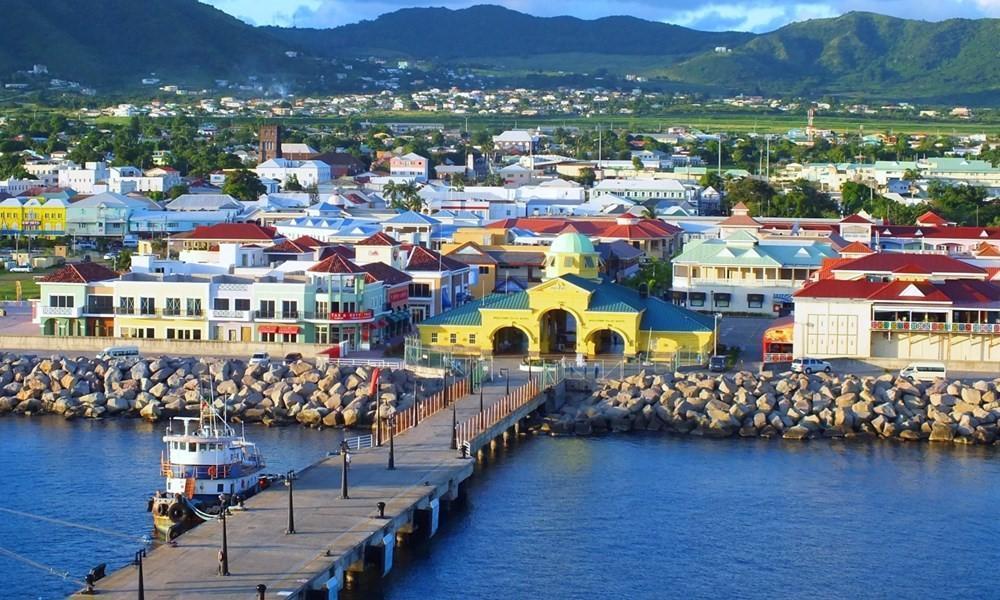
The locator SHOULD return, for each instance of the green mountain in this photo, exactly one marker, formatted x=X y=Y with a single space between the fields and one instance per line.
x=488 y=31
x=112 y=44
x=118 y=42
x=862 y=53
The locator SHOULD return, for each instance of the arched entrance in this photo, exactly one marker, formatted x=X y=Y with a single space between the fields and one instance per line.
x=510 y=340
x=558 y=328
x=608 y=341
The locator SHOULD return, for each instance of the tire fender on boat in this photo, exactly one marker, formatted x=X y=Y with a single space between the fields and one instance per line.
x=177 y=512
x=161 y=509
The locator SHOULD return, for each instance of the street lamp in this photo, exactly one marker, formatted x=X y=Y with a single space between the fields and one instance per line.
x=715 y=337
x=224 y=553
x=346 y=456
x=289 y=478
x=454 y=413
x=481 y=384
x=504 y=372
x=392 y=446
x=142 y=588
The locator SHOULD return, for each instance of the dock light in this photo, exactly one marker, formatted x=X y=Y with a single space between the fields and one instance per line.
x=142 y=588
x=504 y=372
x=289 y=478
x=346 y=457
x=392 y=446
x=261 y=590
x=381 y=510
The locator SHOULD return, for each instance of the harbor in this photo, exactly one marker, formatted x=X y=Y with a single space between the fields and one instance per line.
x=312 y=539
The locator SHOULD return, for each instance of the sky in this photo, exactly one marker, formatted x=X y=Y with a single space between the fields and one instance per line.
x=743 y=15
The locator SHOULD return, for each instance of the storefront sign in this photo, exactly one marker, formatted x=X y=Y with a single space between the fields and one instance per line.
x=399 y=296
x=351 y=316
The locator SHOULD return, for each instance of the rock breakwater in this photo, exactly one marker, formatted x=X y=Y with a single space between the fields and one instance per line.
x=154 y=389
x=787 y=405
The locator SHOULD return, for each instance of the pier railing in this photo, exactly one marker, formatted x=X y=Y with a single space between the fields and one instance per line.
x=498 y=411
x=409 y=418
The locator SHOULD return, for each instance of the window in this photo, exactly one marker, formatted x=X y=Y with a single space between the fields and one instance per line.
x=721 y=300
x=220 y=304
x=472 y=338
x=588 y=261
x=170 y=333
x=568 y=261
x=267 y=337
x=126 y=306
x=697 y=298
x=434 y=338
x=172 y=306
x=267 y=308
x=755 y=300
x=484 y=269
x=61 y=301
x=289 y=309
x=453 y=338
x=147 y=306
x=420 y=290
x=194 y=307
x=242 y=303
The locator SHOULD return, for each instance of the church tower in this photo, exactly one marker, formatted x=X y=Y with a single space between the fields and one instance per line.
x=270 y=142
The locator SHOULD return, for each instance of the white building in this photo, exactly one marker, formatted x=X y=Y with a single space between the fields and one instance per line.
x=642 y=189
x=90 y=179
x=307 y=172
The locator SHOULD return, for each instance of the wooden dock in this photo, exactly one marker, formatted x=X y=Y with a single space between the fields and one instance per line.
x=335 y=539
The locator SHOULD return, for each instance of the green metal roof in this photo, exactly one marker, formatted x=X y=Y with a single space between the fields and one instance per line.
x=664 y=316
x=514 y=301
x=468 y=315
x=740 y=252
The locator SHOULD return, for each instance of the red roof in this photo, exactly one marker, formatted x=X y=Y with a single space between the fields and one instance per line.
x=931 y=218
x=422 y=259
x=378 y=239
x=386 y=273
x=83 y=272
x=302 y=245
x=893 y=262
x=335 y=264
x=987 y=250
x=856 y=219
x=856 y=248
x=232 y=232
x=963 y=292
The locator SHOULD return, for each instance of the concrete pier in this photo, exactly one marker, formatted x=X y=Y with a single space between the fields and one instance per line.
x=335 y=540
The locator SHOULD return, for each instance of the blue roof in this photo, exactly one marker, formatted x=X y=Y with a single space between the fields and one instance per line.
x=412 y=218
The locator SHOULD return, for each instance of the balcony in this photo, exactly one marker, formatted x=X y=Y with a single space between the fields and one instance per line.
x=935 y=327
x=274 y=315
x=179 y=312
x=60 y=311
x=229 y=315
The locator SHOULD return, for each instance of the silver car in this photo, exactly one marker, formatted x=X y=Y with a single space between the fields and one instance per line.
x=810 y=365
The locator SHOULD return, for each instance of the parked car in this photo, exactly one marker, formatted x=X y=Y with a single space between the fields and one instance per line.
x=119 y=352
x=260 y=358
x=717 y=364
x=110 y=256
x=924 y=371
x=810 y=365
x=293 y=357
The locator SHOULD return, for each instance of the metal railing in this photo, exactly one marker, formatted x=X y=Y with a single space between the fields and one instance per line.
x=358 y=442
x=936 y=327
x=367 y=362
x=412 y=416
x=496 y=412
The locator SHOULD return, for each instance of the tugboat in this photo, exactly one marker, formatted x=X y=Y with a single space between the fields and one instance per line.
x=205 y=465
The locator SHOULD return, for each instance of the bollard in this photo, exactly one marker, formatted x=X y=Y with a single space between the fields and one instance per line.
x=381 y=510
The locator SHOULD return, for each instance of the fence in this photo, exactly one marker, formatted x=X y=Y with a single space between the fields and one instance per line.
x=366 y=362
x=409 y=418
x=496 y=412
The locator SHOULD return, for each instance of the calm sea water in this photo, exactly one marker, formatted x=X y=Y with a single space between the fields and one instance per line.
x=97 y=473
x=612 y=517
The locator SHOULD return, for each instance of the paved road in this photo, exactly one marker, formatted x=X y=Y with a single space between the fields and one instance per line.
x=260 y=551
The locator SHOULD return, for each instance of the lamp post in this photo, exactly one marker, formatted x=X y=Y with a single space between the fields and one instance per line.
x=142 y=588
x=505 y=374
x=715 y=337
x=481 y=384
x=224 y=553
x=454 y=413
x=346 y=456
x=289 y=478
x=392 y=446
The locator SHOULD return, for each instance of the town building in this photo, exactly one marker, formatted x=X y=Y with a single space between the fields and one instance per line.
x=307 y=172
x=900 y=307
x=410 y=166
x=745 y=274
x=573 y=312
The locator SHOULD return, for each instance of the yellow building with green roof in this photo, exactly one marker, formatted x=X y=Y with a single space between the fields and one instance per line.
x=572 y=312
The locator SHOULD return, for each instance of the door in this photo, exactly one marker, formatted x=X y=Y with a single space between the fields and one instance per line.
x=246 y=334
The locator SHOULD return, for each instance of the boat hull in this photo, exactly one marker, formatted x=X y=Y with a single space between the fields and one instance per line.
x=173 y=515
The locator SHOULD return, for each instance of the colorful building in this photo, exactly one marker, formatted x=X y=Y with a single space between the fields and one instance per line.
x=573 y=312
x=77 y=300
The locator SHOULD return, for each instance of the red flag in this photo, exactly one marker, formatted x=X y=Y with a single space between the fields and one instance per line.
x=374 y=387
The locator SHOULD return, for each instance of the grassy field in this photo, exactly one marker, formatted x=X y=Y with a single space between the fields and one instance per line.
x=708 y=121
x=29 y=287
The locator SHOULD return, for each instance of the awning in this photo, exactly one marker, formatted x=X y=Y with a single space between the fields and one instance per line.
x=268 y=329
x=288 y=329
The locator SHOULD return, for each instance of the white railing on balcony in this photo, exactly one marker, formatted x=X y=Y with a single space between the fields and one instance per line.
x=235 y=315
x=60 y=311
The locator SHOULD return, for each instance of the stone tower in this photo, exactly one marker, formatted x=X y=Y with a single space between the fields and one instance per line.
x=270 y=142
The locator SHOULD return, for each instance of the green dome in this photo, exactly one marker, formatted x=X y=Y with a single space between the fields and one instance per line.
x=572 y=243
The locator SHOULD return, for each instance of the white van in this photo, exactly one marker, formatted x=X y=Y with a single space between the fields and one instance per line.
x=119 y=352
x=924 y=371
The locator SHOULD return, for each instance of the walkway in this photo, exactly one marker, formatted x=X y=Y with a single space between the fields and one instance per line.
x=328 y=529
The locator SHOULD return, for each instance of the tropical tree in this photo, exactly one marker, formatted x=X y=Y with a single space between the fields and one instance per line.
x=292 y=184
x=243 y=184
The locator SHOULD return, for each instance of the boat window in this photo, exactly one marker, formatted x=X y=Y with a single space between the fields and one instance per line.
x=221 y=488
x=191 y=446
